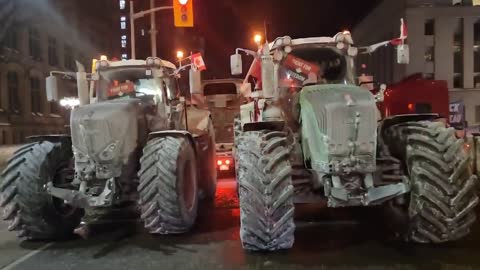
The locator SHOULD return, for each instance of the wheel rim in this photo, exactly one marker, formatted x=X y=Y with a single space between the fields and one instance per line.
x=188 y=185
x=62 y=179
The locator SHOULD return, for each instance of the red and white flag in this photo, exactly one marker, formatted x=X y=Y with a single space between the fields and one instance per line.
x=198 y=63
x=403 y=34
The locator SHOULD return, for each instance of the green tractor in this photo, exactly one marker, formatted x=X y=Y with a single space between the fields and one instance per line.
x=311 y=134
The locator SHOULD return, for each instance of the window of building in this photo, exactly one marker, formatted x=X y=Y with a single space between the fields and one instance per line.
x=34 y=44
x=124 y=56
x=477 y=114
x=476 y=81
x=52 y=51
x=430 y=27
x=476 y=32
x=54 y=107
x=124 y=41
x=36 y=97
x=123 y=25
x=13 y=95
x=458 y=55
x=123 y=19
x=122 y=4
x=11 y=38
x=69 y=59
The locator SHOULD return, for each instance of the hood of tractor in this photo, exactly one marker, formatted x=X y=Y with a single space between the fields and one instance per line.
x=339 y=128
x=105 y=136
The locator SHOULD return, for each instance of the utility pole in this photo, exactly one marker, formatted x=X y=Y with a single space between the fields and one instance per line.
x=153 y=30
x=132 y=30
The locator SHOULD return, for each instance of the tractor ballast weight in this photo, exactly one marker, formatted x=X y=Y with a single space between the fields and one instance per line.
x=318 y=137
x=134 y=142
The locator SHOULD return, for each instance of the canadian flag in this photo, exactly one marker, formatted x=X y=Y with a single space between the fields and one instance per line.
x=403 y=34
x=198 y=63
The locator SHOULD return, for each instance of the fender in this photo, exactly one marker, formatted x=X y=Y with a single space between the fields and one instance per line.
x=397 y=119
x=61 y=138
x=174 y=133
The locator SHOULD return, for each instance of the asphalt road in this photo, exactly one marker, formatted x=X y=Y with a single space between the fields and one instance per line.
x=325 y=239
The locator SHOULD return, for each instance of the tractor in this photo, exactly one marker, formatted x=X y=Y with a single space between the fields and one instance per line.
x=311 y=134
x=135 y=143
x=222 y=98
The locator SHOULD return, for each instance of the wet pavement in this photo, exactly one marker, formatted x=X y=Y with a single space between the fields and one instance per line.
x=325 y=239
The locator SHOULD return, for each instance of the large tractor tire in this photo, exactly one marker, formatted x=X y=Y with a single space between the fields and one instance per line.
x=266 y=191
x=208 y=170
x=32 y=212
x=443 y=197
x=168 y=186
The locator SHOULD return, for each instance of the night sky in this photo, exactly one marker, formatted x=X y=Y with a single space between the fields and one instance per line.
x=227 y=24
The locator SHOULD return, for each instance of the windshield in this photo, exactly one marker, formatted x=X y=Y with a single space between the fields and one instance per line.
x=312 y=65
x=133 y=82
x=130 y=89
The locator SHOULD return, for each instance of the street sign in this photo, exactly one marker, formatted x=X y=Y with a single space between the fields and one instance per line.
x=457 y=115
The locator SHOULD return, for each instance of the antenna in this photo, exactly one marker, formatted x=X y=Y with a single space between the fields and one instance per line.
x=265 y=29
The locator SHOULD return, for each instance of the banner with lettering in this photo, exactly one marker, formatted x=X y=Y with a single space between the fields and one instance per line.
x=457 y=115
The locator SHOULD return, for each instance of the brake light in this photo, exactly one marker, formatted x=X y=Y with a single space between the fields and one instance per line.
x=219 y=162
x=410 y=107
x=227 y=161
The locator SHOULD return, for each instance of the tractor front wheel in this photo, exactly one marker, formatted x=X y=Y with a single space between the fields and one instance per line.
x=266 y=191
x=168 y=186
x=443 y=198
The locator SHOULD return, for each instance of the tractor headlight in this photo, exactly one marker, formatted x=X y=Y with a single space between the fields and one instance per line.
x=80 y=156
x=109 y=152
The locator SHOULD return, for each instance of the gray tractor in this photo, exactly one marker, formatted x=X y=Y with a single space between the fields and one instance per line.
x=135 y=142
x=309 y=134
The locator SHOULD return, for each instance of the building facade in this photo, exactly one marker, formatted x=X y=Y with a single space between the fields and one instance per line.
x=444 y=41
x=45 y=35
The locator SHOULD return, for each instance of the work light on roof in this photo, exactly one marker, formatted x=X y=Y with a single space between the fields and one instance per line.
x=154 y=61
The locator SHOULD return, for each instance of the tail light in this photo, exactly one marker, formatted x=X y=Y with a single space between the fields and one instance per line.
x=224 y=163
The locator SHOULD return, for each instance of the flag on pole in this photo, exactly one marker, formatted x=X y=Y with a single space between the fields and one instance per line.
x=198 y=63
x=403 y=34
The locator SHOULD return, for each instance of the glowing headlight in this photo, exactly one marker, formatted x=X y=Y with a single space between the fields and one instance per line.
x=79 y=156
x=109 y=152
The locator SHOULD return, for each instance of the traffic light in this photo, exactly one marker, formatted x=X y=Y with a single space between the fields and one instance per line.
x=183 y=13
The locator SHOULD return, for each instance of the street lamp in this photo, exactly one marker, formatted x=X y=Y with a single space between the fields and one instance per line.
x=258 y=39
x=180 y=55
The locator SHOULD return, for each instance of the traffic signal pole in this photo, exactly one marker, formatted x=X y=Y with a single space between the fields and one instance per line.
x=153 y=31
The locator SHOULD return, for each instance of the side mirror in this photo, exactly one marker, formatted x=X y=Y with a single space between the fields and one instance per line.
x=195 y=79
x=236 y=64
x=52 y=88
x=82 y=88
x=403 y=54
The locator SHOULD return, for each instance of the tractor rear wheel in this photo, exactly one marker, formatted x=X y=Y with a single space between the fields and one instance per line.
x=266 y=191
x=168 y=186
x=443 y=199
x=32 y=212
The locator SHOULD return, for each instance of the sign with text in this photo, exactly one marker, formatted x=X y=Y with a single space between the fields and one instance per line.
x=457 y=115
x=300 y=69
x=119 y=89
